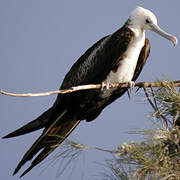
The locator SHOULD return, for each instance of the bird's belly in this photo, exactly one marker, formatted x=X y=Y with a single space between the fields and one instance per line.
x=124 y=73
x=127 y=65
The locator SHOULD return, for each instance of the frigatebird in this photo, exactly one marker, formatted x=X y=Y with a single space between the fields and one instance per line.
x=116 y=58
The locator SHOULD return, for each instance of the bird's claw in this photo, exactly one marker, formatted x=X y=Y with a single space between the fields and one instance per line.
x=131 y=85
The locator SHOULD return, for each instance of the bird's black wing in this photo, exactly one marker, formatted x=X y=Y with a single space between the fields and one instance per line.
x=92 y=68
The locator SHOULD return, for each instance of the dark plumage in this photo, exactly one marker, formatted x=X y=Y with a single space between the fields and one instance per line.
x=69 y=109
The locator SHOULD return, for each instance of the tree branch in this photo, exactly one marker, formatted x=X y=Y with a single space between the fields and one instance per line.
x=93 y=86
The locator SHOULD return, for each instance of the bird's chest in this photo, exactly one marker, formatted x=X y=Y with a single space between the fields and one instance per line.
x=124 y=69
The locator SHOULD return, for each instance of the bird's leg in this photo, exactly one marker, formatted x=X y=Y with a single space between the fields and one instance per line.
x=131 y=85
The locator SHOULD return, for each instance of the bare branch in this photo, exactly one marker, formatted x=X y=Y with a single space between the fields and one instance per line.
x=93 y=86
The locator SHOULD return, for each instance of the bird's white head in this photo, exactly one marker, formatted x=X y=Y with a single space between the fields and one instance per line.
x=144 y=19
x=141 y=17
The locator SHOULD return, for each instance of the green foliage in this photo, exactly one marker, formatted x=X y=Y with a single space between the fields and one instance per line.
x=158 y=155
x=168 y=102
x=154 y=158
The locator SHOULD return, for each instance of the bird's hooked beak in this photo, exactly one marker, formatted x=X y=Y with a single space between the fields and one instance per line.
x=158 y=30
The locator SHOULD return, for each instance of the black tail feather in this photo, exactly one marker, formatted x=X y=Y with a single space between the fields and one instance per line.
x=36 y=147
x=34 y=125
x=62 y=132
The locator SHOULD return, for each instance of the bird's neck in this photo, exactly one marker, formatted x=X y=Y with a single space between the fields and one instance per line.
x=138 y=31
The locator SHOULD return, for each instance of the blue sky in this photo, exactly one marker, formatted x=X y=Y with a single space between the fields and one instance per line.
x=39 y=42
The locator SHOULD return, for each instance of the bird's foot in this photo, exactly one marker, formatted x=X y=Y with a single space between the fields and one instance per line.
x=131 y=85
x=105 y=86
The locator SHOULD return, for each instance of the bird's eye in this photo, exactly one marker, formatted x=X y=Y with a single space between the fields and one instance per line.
x=147 y=21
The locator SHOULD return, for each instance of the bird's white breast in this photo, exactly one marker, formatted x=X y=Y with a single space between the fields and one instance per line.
x=127 y=65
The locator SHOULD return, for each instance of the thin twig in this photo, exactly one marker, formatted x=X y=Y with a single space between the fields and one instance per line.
x=174 y=118
x=153 y=95
x=106 y=150
x=154 y=107
x=81 y=146
x=92 y=86
x=148 y=98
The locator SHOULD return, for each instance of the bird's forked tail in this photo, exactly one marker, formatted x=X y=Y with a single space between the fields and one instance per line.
x=50 y=139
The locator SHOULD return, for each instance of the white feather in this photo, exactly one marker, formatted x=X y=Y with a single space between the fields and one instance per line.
x=127 y=67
